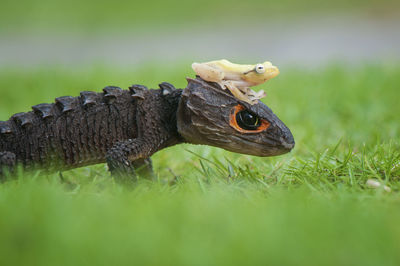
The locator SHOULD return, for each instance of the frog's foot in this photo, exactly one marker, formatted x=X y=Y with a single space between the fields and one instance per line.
x=253 y=96
x=222 y=85
x=259 y=94
x=256 y=95
x=238 y=93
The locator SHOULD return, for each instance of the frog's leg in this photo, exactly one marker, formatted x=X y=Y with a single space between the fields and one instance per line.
x=208 y=73
x=236 y=92
x=244 y=93
x=241 y=84
x=244 y=87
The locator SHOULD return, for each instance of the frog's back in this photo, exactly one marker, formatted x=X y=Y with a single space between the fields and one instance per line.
x=228 y=66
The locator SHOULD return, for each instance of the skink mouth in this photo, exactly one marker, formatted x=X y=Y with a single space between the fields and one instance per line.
x=287 y=145
x=287 y=141
x=268 y=146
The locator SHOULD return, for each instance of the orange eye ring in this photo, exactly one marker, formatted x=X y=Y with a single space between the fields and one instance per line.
x=233 y=122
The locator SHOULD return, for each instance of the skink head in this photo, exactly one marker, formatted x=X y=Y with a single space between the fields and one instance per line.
x=208 y=115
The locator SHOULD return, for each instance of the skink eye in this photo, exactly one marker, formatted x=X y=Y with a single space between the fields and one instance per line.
x=260 y=69
x=245 y=121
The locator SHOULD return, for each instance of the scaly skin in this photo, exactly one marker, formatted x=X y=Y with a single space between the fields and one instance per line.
x=125 y=127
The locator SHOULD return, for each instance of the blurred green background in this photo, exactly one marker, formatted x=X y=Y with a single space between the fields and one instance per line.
x=99 y=16
x=338 y=92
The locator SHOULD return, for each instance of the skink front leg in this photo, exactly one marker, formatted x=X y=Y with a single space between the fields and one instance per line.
x=124 y=156
x=7 y=163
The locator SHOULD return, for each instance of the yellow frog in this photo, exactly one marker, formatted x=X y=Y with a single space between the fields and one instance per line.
x=237 y=78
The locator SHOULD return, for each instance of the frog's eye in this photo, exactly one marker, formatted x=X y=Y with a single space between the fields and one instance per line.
x=260 y=69
x=245 y=121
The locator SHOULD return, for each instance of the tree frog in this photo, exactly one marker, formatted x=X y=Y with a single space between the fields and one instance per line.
x=237 y=78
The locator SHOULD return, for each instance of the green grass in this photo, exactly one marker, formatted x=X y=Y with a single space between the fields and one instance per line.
x=212 y=207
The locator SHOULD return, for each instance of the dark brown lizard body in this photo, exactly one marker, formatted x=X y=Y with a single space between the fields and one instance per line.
x=125 y=127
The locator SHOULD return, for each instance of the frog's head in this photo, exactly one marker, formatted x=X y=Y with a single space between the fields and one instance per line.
x=261 y=73
x=211 y=116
